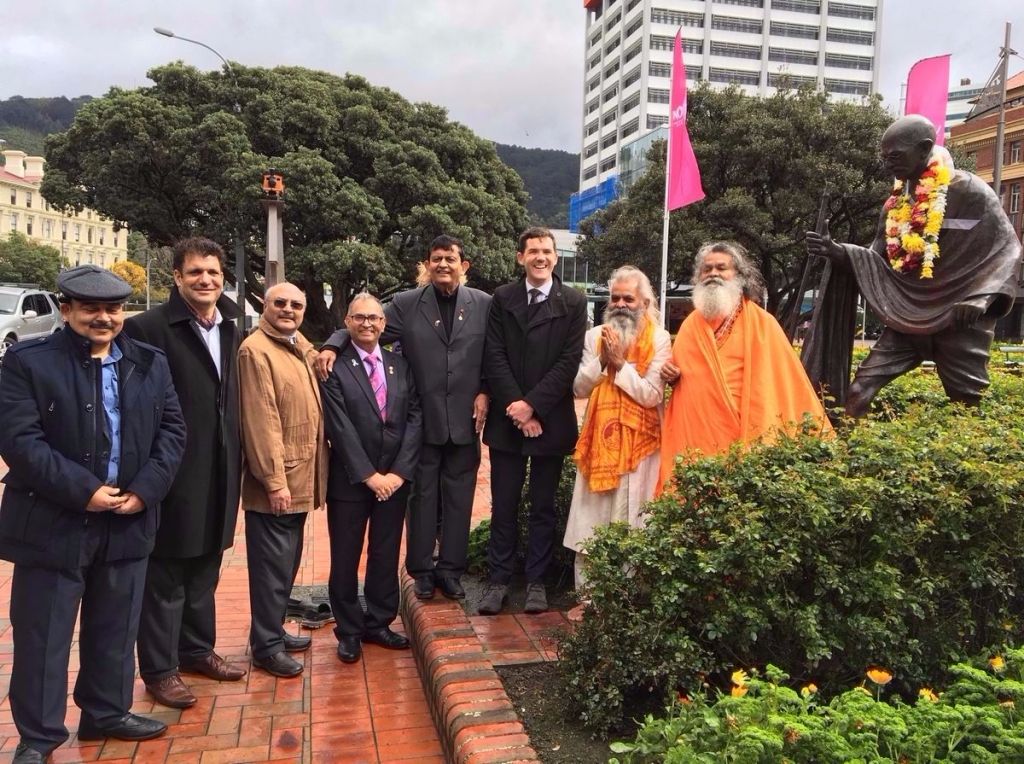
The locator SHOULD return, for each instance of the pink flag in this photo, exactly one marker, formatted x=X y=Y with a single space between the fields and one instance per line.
x=927 y=91
x=683 y=185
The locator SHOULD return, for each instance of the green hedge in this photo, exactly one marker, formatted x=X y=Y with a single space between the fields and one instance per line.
x=895 y=543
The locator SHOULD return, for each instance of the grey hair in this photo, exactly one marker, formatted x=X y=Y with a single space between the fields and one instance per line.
x=643 y=285
x=364 y=296
x=749 y=275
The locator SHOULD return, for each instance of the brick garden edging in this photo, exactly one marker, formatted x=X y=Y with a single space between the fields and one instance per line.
x=474 y=717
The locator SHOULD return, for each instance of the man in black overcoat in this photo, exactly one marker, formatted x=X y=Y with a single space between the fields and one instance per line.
x=196 y=330
x=93 y=435
x=441 y=326
x=534 y=344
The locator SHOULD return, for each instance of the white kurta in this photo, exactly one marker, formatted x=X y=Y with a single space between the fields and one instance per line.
x=588 y=509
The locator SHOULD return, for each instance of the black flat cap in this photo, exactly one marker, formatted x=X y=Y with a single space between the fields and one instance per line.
x=90 y=283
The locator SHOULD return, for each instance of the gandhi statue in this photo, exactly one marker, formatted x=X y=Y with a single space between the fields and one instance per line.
x=942 y=269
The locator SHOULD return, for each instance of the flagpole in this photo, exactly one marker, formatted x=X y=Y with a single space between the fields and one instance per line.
x=663 y=296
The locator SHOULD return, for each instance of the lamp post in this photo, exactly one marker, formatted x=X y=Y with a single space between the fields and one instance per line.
x=239 y=246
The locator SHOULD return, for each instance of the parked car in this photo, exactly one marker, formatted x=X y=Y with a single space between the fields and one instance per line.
x=26 y=312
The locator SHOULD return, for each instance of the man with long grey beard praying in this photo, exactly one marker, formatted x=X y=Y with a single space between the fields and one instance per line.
x=617 y=454
x=736 y=377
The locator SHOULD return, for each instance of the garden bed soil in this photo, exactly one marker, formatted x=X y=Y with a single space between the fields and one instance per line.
x=555 y=733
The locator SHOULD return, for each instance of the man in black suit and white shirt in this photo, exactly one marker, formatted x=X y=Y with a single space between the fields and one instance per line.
x=441 y=326
x=374 y=424
x=534 y=344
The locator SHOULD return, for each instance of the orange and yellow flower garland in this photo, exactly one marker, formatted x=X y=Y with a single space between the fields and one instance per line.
x=912 y=223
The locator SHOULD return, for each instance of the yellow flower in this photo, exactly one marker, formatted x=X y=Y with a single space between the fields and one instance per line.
x=997 y=663
x=913 y=242
x=926 y=694
x=738 y=691
x=740 y=678
x=879 y=676
x=809 y=689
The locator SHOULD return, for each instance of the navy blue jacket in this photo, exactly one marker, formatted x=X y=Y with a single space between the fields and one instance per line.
x=52 y=440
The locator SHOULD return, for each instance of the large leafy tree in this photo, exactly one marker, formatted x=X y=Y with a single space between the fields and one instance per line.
x=23 y=261
x=764 y=164
x=370 y=177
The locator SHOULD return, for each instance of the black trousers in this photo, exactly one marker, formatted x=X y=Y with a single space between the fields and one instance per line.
x=445 y=484
x=346 y=524
x=44 y=605
x=508 y=473
x=274 y=549
x=179 y=613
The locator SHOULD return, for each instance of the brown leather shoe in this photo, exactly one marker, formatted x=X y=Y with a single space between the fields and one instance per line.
x=214 y=667
x=172 y=692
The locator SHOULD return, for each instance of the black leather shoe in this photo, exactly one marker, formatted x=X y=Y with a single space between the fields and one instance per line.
x=451 y=588
x=279 y=664
x=128 y=727
x=294 y=644
x=349 y=649
x=25 y=755
x=386 y=638
x=423 y=587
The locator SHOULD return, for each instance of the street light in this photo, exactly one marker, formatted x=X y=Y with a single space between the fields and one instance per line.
x=239 y=247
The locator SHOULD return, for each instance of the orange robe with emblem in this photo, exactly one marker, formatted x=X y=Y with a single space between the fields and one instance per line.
x=749 y=387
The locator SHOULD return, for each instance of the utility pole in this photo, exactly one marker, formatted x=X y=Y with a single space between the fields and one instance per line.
x=997 y=165
x=273 y=203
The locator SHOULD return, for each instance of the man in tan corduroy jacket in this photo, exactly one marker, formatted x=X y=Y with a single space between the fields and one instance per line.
x=285 y=468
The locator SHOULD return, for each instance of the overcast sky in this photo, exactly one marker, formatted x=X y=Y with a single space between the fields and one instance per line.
x=510 y=70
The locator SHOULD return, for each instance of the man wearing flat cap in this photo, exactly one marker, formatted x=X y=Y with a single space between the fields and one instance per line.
x=93 y=436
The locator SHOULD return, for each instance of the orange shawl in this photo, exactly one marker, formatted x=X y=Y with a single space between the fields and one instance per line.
x=703 y=414
x=618 y=433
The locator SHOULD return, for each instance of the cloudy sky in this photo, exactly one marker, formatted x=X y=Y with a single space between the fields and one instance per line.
x=510 y=70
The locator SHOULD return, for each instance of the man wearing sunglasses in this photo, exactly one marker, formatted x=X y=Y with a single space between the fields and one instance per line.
x=285 y=470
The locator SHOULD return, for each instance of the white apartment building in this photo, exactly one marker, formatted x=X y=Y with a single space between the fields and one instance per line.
x=831 y=44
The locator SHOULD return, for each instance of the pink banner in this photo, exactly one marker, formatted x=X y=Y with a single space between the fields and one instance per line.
x=927 y=91
x=683 y=174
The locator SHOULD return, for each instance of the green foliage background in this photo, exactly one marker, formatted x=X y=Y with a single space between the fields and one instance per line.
x=24 y=262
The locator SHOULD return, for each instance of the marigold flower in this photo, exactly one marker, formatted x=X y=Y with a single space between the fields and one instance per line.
x=808 y=689
x=879 y=675
x=997 y=663
x=926 y=694
x=739 y=690
x=740 y=678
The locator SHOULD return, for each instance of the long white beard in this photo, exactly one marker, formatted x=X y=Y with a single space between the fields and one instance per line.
x=625 y=324
x=717 y=299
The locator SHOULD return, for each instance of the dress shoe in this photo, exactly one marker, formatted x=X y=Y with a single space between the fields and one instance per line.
x=423 y=587
x=536 y=598
x=493 y=600
x=171 y=692
x=451 y=588
x=128 y=727
x=349 y=649
x=25 y=755
x=296 y=644
x=386 y=638
x=279 y=664
x=214 y=667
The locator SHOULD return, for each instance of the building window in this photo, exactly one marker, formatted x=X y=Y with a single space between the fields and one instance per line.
x=632 y=4
x=631 y=128
x=1015 y=151
x=787 y=80
x=657 y=95
x=14 y=221
x=115 y=238
x=633 y=76
x=850 y=11
x=848 y=62
x=799 y=6
x=612 y=45
x=631 y=104
x=591 y=129
x=734 y=76
x=594 y=84
x=608 y=164
x=29 y=220
x=608 y=140
x=677 y=18
x=656 y=69
x=735 y=50
x=78 y=231
x=733 y=24
x=590 y=172
x=595 y=39
x=790 y=56
x=590 y=150
x=801 y=31
x=610 y=93
x=852 y=36
x=633 y=52
x=634 y=27
x=609 y=118
x=88 y=235
x=611 y=70
x=14 y=196
x=28 y=199
x=1015 y=198
x=847 y=86
x=64 y=230
x=593 y=62
x=593 y=106
x=747 y=3
x=47 y=229
x=656 y=120
x=660 y=42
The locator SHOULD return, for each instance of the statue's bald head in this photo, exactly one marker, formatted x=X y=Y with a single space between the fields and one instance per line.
x=906 y=146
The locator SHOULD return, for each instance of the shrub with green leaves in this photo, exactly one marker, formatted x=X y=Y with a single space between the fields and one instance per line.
x=895 y=543
x=977 y=719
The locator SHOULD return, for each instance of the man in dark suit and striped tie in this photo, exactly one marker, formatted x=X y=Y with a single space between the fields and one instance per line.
x=373 y=419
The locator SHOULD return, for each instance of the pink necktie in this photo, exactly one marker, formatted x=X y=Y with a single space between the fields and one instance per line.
x=377 y=385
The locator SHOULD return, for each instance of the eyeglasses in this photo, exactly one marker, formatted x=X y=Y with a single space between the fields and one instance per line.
x=365 y=318
x=280 y=303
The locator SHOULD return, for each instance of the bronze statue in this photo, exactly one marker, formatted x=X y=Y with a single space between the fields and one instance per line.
x=941 y=270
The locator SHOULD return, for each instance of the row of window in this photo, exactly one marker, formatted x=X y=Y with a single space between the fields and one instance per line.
x=49 y=229
x=1014 y=207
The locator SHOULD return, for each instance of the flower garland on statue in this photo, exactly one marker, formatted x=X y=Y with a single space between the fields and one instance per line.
x=912 y=223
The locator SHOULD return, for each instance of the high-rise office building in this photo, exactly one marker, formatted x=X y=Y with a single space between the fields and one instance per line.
x=830 y=44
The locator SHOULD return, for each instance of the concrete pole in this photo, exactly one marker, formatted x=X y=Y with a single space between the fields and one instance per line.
x=997 y=171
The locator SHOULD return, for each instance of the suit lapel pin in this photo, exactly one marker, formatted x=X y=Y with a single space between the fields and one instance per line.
x=391 y=369
x=355 y=362
x=462 y=313
x=437 y=322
